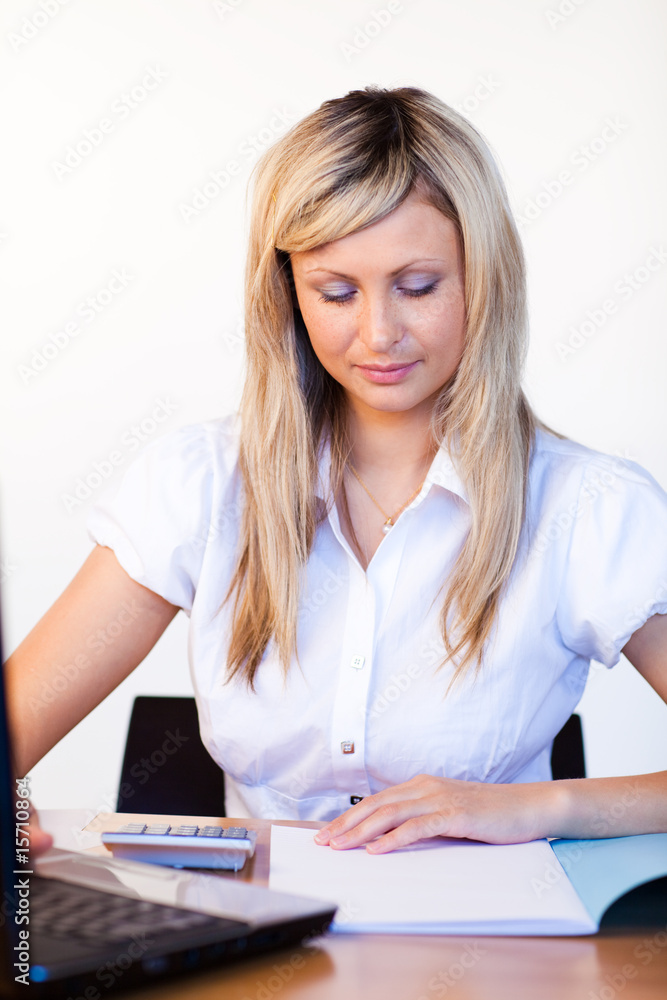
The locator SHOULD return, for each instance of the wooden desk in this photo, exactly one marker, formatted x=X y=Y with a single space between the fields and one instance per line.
x=402 y=967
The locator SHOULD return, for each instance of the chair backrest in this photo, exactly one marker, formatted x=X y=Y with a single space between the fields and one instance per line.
x=166 y=767
x=567 y=752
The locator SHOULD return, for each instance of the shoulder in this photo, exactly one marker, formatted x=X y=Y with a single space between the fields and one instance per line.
x=562 y=466
x=178 y=477
x=597 y=540
x=158 y=516
x=575 y=492
x=207 y=448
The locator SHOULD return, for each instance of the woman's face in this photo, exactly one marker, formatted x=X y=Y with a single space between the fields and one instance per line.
x=384 y=308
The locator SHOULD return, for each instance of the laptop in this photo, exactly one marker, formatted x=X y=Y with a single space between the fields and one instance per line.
x=79 y=925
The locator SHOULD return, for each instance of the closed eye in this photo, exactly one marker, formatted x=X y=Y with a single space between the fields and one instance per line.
x=413 y=293
x=340 y=299
x=416 y=293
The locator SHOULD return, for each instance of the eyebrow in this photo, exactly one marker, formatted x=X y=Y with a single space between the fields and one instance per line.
x=339 y=274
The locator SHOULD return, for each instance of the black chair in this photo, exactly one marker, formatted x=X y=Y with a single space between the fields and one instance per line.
x=167 y=768
x=567 y=752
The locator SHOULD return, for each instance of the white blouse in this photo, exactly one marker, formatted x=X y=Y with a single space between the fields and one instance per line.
x=365 y=707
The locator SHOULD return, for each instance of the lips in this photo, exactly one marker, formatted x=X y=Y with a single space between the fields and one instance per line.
x=387 y=374
x=387 y=368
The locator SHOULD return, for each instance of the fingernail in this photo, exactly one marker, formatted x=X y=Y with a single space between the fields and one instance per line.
x=338 y=841
x=321 y=837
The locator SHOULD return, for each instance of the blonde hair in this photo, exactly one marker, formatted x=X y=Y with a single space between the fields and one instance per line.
x=343 y=167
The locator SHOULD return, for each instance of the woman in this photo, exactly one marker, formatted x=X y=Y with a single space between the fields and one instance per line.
x=396 y=576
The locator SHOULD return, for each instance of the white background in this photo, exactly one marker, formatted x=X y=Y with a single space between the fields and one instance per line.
x=541 y=85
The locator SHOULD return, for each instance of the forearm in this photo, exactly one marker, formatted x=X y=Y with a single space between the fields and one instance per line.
x=605 y=807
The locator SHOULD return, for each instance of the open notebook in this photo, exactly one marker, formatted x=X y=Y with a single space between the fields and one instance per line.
x=442 y=886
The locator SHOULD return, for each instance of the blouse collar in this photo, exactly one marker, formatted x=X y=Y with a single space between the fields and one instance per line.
x=442 y=473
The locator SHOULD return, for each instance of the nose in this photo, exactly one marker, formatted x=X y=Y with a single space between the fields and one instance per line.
x=379 y=327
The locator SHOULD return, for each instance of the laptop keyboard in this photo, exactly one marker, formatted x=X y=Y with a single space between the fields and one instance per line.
x=68 y=911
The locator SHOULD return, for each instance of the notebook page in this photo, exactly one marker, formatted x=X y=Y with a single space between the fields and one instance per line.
x=434 y=886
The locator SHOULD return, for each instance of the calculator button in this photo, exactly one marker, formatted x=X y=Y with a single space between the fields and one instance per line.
x=210 y=831
x=184 y=831
x=157 y=829
x=132 y=828
x=235 y=831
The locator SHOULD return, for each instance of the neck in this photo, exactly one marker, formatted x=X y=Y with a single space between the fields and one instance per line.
x=390 y=441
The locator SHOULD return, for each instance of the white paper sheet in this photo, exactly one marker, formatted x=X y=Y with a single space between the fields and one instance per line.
x=437 y=886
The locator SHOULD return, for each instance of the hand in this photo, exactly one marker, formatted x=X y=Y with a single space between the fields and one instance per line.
x=40 y=840
x=427 y=806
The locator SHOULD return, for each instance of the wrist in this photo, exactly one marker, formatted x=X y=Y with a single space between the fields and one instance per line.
x=558 y=813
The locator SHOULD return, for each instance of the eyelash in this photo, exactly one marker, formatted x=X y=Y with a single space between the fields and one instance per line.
x=413 y=293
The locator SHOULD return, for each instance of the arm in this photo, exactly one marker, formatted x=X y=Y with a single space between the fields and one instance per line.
x=513 y=813
x=95 y=634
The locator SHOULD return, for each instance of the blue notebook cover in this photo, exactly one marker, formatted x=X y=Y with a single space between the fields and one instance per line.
x=601 y=871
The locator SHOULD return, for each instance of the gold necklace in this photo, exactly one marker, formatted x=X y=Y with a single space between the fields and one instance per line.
x=389 y=518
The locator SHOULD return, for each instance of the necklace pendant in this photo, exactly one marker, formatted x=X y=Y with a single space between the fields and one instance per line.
x=387 y=526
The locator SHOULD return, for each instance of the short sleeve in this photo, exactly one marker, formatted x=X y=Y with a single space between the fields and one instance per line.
x=159 y=511
x=615 y=575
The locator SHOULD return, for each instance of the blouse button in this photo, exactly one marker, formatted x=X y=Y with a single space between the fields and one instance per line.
x=347 y=746
x=357 y=662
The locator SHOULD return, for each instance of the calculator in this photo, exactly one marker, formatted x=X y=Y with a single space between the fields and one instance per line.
x=183 y=846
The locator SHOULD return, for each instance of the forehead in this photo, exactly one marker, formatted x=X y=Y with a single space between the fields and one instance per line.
x=416 y=228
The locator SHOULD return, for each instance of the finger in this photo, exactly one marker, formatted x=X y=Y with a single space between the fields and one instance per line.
x=414 y=829
x=368 y=805
x=347 y=820
x=383 y=819
x=40 y=840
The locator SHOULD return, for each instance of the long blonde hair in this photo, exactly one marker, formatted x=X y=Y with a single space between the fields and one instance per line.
x=345 y=166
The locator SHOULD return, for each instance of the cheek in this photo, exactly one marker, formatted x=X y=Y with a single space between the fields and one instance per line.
x=326 y=333
x=443 y=327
